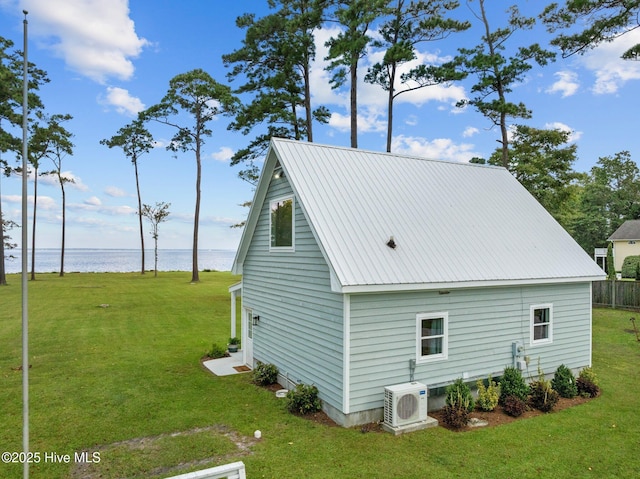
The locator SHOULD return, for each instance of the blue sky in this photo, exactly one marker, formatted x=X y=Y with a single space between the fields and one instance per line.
x=108 y=59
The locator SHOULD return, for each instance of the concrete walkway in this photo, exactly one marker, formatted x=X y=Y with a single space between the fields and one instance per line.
x=227 y=366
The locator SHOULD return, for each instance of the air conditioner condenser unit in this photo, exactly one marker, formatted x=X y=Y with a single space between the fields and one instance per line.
x=405 y=404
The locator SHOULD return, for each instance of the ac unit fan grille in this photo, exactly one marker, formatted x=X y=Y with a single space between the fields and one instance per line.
x=407 y=406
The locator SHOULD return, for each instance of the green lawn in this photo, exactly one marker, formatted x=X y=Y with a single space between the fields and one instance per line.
x=126 y=381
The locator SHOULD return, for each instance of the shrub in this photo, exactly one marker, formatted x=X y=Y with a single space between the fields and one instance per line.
x=542 y=395
x=629 y=266
x=265 y=374
x=217 y=351
x=459 y=394
x=303 y=399
x=514 y=406
x=513 y=384
x=456 y=417
x=587 y=383
x=488 y=396
x=564 y=382
x=458 y=404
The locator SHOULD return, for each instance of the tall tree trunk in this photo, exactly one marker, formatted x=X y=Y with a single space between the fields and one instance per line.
x=499 y=89
x=354 y=104
x=307 y=101
x=392 y=79
x=155 y=252
x=33 y=228
x=135 y=167
x=296 y=126
x=63 y=226
x=196 y=220
x=3 y=275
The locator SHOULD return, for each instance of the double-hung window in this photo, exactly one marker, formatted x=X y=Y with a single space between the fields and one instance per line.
x=541 y=323
x=281 y=221
x=432 y=335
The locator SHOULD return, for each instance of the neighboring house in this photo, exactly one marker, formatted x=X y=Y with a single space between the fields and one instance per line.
x=362 y=270
x=626 y=242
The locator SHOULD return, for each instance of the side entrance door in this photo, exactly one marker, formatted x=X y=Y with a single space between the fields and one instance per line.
x=247 y=340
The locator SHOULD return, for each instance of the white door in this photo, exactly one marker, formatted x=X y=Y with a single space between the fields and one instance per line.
x=247 y=337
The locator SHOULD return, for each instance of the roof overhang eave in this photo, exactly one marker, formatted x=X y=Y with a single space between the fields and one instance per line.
x=445 y=287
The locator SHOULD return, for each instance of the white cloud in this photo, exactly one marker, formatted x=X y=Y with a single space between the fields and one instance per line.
x=556 y=125
x=372 y=99
x=122 y=101
x=95 y=38
x=44 y=202
x=440 y=148
x=73 y=181
x=368 y=121
x=224 y=154
x=115 y=192
x=610 y=70
x=566 y=84
x=93 y=201
x=322 y=92
x=121 y=210
x=470 y=131
x=411 y=120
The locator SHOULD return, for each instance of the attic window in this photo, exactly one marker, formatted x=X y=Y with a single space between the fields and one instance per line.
x=281 y=224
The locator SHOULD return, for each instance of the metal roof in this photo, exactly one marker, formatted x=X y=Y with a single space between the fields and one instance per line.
x=629 y=230
x=453 y=224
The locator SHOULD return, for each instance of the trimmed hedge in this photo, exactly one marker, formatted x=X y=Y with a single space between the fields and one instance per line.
x=629 y=266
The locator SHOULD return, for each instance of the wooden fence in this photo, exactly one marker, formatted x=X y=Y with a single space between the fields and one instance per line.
x=617 y=294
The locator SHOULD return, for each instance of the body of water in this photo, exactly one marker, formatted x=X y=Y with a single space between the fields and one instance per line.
x=86 y=260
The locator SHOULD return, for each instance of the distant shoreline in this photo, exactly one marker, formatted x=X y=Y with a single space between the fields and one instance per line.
x=120 y=260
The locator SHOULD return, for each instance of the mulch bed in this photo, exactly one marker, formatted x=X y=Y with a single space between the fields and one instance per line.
x=498 y=417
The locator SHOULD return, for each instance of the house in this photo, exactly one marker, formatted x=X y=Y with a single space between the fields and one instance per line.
x=363 y=270
x=626 y=242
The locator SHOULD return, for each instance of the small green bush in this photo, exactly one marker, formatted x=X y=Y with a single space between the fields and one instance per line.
x=303 y=399
x=459 y=394
x=542 y=395
x=488 y=396
x=458 y=404
x=513 y=384
x=217 y=351
x=587 y=383
x=514 y=406
x=564 y=382
x=265 y=374
x=629 y=266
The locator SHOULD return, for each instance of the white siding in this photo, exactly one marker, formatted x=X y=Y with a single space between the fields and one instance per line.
x=483 y=323
x=300 y=328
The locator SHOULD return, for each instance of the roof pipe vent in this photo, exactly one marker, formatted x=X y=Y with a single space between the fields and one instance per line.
x=391 y=243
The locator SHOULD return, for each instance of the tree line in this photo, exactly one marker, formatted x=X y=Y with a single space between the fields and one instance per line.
x=270 y=94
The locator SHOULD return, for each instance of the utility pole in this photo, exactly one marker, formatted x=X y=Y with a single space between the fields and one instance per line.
x=25 y=312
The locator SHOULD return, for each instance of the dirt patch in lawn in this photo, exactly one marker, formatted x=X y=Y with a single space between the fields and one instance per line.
x=142 y=457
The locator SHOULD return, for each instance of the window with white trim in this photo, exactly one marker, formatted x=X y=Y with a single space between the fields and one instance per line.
x=432 y=335
x=541 y=323
x=281 y=224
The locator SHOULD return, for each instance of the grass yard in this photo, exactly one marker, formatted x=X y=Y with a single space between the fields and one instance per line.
x=125 y=381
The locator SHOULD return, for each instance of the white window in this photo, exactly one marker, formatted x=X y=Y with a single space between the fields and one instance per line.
x=432 y=335
x=541 y=323
x=281 y=222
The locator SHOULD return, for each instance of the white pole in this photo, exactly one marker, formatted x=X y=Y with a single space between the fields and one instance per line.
x=25 y=316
